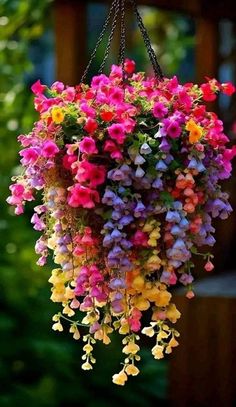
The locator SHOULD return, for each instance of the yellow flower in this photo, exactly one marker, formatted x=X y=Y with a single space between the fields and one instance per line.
x=74 y=330
x=163 y=299
x=157 y=352
x=132 y=370
x=88 y=348
x=120 y=378
x=68 y=311
x=173 y=342
x=138 y=283
x=190 y=125
x=57 y=327
x=162 y=335
x=151 y=294
x=57 y=115
x=152 y=242
x=124 y=329
x=172 y=313
x=131 y=348
x=155 y=234
x=86 y=366
x=149 y=331
x=141 y=303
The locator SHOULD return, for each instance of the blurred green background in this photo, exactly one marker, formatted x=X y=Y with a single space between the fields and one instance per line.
x=38 y=366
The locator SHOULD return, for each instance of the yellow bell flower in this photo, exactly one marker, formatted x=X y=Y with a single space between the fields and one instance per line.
x=138 y=283
x=131 y=348
x=132 y=370
x=155 y=234
x=141 y=303
x=87 y=348
x=149 y=331
x=157 y=352
x=86 y=366
x=152 y=242
x=163 y=299
x=172 y=313
x=151 y=294
x=120 y=378
x=57 y=327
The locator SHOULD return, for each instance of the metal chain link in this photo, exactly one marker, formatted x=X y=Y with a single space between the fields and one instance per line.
x=121 y=59
x=156 y=67
x=110 y=38
x=116 y=7
x=100 y=38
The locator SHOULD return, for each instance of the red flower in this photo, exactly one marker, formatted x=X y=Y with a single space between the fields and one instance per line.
x=129 y=66
x=207 y=93
x=106 y=116
x=91 y=125
x=228 y=88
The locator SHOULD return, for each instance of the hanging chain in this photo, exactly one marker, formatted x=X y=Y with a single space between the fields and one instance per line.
x=156 y=67
x=110 y=38
x=121 y=58
x=100 y=38
x=118 y=6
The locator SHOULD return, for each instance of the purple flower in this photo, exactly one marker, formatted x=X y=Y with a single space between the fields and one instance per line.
x=108 y=197
x=173 y=216
x=161 y=166
x=145 y=149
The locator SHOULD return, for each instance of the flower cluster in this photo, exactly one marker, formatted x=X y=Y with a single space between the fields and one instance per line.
x=130 y=175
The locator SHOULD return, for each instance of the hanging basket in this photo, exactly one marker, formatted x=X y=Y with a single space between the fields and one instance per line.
x=129 y=170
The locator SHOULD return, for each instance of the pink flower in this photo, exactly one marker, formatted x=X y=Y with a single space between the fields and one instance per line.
x=90 y=112
x=209 y=266
x=185 y=99
x=82 y=196
x=37 y=88
x=116 y=96
x=159 y=110
x=17 y=190
x=117 y=132
x=99 y=80
x=93 y=174
x=88 y=146
x=49 y=149
x=58 y=86
x=69 y=93
x=129 y=125
x=112 y=148
x=30 y=156
x=67 y=162
x=140 y=239
x=174 y=129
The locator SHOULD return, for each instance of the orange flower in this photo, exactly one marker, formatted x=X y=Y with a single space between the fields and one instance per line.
x=195 y=131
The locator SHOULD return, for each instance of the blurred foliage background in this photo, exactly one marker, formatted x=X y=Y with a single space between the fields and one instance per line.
x=38 y=366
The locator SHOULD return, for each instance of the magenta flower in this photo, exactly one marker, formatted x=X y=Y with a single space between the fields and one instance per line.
x=159 y=110
x=88 y=146
x=174 y=129
x=49 y=149
x=116 y=131
x=82 y=196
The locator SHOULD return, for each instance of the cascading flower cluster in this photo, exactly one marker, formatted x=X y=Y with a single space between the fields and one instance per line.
x=129 y=172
